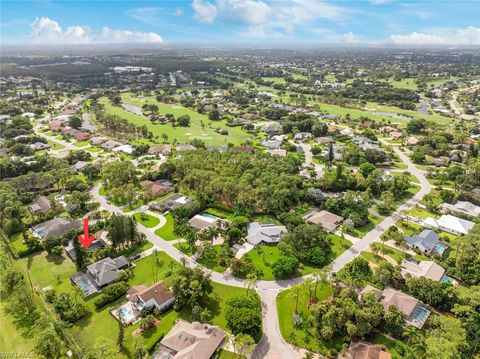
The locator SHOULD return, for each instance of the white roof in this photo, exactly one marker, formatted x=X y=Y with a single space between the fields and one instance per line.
x=124 y=148
x=454 y=223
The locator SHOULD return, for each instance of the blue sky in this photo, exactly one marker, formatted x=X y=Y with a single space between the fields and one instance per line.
x=283 y=22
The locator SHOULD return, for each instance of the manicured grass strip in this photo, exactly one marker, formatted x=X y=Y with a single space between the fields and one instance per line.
x=146 y=220
x=166 y=232
x=93 y=149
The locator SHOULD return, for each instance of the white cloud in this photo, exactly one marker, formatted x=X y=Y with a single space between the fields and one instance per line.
x=349 y=38
x=47 y=31
x=467 y=36
x=113 y=36
x=267 y=18
x=204 y=11
x=379 y=2
x=178 y=11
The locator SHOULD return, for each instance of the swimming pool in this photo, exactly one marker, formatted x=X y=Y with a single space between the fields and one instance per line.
x=126 y=313
x=440 y=248
x=420 y=314
x=446 y=279
x=85 y=286
x=210 y=216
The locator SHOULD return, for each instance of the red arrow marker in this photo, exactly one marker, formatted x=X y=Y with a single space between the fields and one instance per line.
x=85 y=239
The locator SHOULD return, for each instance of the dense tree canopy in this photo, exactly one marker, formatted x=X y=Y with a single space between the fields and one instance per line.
x=250 y=182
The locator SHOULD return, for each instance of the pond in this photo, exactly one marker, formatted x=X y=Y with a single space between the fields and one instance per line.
x=135 y=109
x=393 y=115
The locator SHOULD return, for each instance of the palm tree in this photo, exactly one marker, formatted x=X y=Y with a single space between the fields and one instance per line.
x=294 y=293
x=410 y=332
x=251 y=281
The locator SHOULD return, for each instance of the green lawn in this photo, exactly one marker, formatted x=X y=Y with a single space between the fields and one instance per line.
x=363 y=230
x=264 y=256
x=184 y=248
x=146 y=220
x=212 y=262
x=55 y=145
x=46 y=270
x=166 y=232
x=93 y=149
x=181 y=134
x=394 y=346
x=303 y=336
x=407 y=83
x=81 y=144
x=421 y=213
x=275 y=80
x=15 y=336
x=17 y=243
x=220 y=212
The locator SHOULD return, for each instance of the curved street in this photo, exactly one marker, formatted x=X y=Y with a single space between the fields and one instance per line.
x=272 y=342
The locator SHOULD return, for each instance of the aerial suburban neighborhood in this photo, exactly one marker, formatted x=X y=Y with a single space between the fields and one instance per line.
x=166 y=202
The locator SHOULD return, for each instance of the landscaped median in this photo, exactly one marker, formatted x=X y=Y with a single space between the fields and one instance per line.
x=166 y=231
x=146 y=219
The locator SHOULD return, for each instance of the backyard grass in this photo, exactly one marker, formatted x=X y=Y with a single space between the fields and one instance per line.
x=220 y=213
x=207 y=134
x=50 y=270
x=394 y=346
x=16 y=240
x=146 y=220
x=303 y=336
x=166 y=232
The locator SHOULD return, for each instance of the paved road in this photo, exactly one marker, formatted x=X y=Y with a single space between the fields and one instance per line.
x=375 y=233
x=272 y=341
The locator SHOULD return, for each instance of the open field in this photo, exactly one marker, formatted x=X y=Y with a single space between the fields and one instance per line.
x=180 y=134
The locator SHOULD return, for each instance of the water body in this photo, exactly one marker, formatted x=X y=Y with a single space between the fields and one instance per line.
x=135 y=109
x=393 y=115
x=423 y=107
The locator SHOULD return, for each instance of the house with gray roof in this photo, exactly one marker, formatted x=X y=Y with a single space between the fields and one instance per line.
x=264 y=233
x=99 y=275
x=107 y=270
x=56 y=227
x=427 y=242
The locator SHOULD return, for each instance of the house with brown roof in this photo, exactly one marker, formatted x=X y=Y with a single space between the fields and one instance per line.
x=415 y=312
x=160 y=150
x=82 y=136
x=158 y=295
x=329 y=221
x=190 y=341
x=427 y=269
x=40 y=205
x=157 y=188
x=360 y=349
